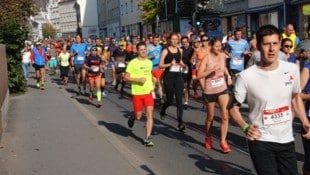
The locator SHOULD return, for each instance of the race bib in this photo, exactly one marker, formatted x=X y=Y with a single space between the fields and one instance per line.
x=276 y=116
x=185 y=70
x=94 y=68
x=237 y=61
x=217 y=81
x=175 y=68
x=80 y=58
x=121 y=64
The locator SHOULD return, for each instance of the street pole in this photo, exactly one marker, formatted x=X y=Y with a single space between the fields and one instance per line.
x=176 y=22
x=194 y=17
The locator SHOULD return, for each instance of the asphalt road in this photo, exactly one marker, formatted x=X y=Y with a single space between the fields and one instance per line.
x=175 y=152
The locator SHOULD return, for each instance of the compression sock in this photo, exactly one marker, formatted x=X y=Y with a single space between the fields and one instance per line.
x=98 y=95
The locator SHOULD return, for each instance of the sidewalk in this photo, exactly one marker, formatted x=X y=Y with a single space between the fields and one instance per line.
x=49 y=133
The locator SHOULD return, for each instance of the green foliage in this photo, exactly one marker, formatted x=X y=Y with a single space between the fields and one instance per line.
x=48 y=30
x=13 y=33
x=16 y=79
x=149 y=9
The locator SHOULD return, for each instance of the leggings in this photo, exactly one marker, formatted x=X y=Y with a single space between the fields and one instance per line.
x=174 y=85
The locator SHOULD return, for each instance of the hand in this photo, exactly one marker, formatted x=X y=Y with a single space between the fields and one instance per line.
x=306 y=126
x=142 y=80
x=253 y=133
x=173 y=62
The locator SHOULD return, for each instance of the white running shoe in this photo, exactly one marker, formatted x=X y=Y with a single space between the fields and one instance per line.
x=104 y=94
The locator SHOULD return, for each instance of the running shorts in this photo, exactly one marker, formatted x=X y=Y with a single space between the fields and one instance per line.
x=158 y=73
x=140 y=101
x=209 y=98
x=53 y=63
x=93 y=78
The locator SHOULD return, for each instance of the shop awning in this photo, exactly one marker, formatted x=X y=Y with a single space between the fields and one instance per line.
x=264 y=8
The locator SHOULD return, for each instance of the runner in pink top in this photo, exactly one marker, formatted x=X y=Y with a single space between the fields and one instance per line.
x=215 y=75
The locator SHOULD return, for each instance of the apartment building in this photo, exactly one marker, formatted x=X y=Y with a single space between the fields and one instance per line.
x=68 y=18
x=88 y=18
x=130 y=17
x=109 y=18
x=53 y=15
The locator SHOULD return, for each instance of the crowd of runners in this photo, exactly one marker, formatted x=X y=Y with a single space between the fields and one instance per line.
x=270 y=73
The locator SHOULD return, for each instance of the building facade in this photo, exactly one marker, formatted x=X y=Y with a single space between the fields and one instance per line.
x=53 y=16
x=88 y=18
x=130 y=18
x=68 y=18
x=109 y=18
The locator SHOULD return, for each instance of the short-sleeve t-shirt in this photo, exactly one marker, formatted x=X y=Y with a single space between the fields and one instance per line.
x=137 y=69
x=269 y=95
x=64 y=59
x=80 y=50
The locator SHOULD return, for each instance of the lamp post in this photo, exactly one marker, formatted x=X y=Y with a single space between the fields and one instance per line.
x=176 y=22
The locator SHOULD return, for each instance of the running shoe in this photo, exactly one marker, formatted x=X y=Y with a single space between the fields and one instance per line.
x=38 y=85
x=131 y=122
x=42 y=87
x=99 y=104
x=185 y=106
x=104 y=94
x=181 y=127
x=208 y=143
x=225 y=147
x=148 y=142
x=79 y=91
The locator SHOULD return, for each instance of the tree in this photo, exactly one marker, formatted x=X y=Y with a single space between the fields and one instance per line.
x=149 y=9
x=13 y=33
x=48 y=30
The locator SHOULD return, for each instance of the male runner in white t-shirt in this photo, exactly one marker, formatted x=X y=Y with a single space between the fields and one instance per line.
x=272 y=89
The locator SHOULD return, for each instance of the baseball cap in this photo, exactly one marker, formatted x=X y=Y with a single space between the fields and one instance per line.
x=38 y=43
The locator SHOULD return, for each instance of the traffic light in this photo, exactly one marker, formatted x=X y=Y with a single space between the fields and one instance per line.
x=197 y=21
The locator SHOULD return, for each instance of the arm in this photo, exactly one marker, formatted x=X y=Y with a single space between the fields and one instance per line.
x=193 y=57
x=229 y=80
x=128 y=78
x=299 y=108
x=181 y=60
x=162 y=58
x=32 y=57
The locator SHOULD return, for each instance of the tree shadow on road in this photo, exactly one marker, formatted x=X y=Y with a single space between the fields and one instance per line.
x=209 y=165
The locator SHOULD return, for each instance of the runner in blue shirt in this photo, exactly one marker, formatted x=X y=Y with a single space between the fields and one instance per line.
x=237 y=48
x=78 y=52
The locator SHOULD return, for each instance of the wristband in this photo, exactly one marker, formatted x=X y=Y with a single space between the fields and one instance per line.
x=245 y=128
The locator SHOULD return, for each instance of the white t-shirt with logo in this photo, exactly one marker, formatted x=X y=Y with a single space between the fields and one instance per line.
x=269 y=95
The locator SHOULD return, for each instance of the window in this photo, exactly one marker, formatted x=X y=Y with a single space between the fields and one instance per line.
x=122 y=12
x=126 y=8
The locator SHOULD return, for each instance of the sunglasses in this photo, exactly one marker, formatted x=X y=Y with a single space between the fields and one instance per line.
x=203 y=40
x=94 y=50
x=288 y=46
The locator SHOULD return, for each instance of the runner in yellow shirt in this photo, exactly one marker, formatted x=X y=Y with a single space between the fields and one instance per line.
x=138 y=73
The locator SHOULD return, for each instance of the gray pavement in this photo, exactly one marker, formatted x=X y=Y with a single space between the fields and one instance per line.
x=48 y=134
x=57 y=132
